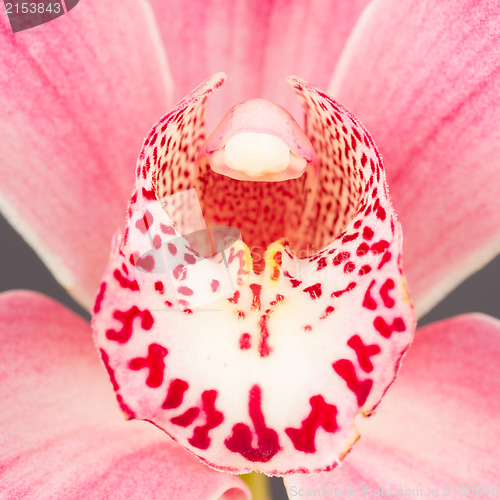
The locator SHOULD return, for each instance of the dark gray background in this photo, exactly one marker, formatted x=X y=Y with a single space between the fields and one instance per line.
x=21 y=268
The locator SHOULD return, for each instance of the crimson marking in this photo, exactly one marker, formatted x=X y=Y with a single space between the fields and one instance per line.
x=245 y=341
x=111 y=373
x=349 y=267
x=348 y=288
x=339 y=258
x=100 y=297
x=369 y=302
x=125 y=282
x=127 y=319
x=145 y=222
x=380 y=246
x=175 y=394
x=155 y=362
x=361 y=388
x=368 y=233
x=321 y=263
x=159 y=287
x=362 y=249
x=256 y=289
x=322 y=415
x=386 y=330
x=157 y=242
x=264 y=348
x=315 y=291
x=234 y=299
x=385 y=259
x=364 y=270
x=241 y=438
x=149 y=195
x=186 y=418
x=381 y=213
x=384 y=293
x=363 y=352
x=214 y=418
x=349 y=237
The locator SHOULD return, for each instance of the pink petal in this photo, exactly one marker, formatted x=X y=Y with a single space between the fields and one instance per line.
x=258 y=44
x=78 y=96
x=256 y=370
x=425 y=78
x=61 y=435
x=438 y=426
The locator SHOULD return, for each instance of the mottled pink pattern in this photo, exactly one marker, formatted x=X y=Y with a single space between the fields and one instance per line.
x=424 y=77
x=438 y=425
x=61 y=434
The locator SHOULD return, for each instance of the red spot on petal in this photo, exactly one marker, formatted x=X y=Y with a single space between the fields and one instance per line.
x=363 y=352
x=386 y=330
x=384 y=293
x=361 y=388
x=380 y=246
x=145 y=222
x=125 y=282
x=175 y=394
x=179 y=272
x=315 y=291
x=369 y=302
x=127 y=319
x=364 y=270
x=149 y=195
x=236 y=296
x=100 y=297
x=184 y=290
x=154 y=362
x=190 y=259
x=264 y=348
x=215 y=285
x=339 y=258
x=256 y=290
x=245 y=341
x=167 y=229
x=385 y=259
x=157 y=242
x=322 y=415
x=172 y=248
x=242 y=437
x=146 y=263
x=368 y=233
x=214 y=418
x=159 y=287
x=381 y=213
x=349 y=267
x=186 y=418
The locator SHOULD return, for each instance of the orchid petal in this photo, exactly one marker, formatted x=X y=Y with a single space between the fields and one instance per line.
x=431 y=100
x=438 y=426
x=255 y=371
x=76 y=102
x=258 y=44
x=61 y=435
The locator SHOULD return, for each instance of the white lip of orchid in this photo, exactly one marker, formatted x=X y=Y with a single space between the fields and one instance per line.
x=258 y=141
x=271 y=376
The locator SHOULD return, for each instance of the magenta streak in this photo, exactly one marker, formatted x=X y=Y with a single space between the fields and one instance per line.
x=100 y=298
x=111 y=373
x=127 y=319
x=321 y=415
x=240 y=440
x=369 y=301
x=361 y=388
x=348 y=288
x=384 y=293
x=256 y=289
x=214 y=418
x=385 y=259
x=175 y=394
x=386 y=330
x=186 y=418
x=264 y=348
x=125 y=282
x=154 y=362
x=363 y=352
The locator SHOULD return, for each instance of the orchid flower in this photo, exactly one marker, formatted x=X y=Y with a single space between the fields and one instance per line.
x=265 y=353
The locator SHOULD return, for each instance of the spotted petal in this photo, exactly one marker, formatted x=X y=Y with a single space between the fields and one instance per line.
x=257 y=368
x=61 y=435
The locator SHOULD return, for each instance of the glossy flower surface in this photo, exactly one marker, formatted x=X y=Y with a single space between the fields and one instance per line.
x=423 y=78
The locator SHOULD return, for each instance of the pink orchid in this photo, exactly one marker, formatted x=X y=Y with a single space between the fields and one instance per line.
x=83 y=91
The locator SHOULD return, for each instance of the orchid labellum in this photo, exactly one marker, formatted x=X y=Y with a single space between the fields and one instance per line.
x=261 y=353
